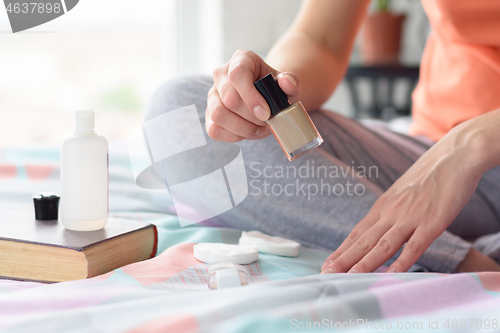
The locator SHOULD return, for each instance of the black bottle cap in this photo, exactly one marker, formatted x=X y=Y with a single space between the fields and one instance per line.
x=46 y=206
x=271 y=91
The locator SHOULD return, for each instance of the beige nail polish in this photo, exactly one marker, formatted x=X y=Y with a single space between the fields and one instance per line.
x=326 y=264
x=290 y=124
x=330 y=270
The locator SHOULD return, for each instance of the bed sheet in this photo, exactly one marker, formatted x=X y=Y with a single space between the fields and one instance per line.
x=169 y=293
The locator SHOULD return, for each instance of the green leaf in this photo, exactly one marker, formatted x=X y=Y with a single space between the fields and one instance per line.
x=382 y=5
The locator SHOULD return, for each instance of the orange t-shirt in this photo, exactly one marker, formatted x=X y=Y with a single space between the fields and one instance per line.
x=460 y=68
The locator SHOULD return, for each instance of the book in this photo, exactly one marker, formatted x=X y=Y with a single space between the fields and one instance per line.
x=47 y=252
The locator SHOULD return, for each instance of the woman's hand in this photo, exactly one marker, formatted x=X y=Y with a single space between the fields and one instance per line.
x=235 y=109
x=417 y=208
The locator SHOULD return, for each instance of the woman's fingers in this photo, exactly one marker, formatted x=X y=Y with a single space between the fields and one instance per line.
x=290 y=84
x=262 y=132
x=353 y=237
x=362 y=257
x=243 y=71
x=363 y=246
x=218 y=133
x=218 y=115
x=233 y=102
x=414 y=248
x=385 y=248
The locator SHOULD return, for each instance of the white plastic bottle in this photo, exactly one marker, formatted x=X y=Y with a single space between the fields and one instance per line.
x=84 y=177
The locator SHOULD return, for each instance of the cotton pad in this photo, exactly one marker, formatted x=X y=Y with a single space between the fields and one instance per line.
x=269 y=244
x=218 y=252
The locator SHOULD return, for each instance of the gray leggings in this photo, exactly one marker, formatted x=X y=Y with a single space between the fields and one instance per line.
x=318 y=198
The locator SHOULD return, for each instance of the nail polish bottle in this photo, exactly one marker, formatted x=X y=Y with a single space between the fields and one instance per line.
x=290 y=124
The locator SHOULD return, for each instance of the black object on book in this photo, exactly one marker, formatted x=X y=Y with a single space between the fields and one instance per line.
x=46 y=206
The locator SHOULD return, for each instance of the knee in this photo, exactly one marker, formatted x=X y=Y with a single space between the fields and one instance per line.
x=178 y=92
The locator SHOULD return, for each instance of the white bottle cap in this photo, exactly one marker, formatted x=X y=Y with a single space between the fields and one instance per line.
x=84 y=122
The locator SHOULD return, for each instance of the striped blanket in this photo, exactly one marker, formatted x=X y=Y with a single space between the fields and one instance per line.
x=169 y=293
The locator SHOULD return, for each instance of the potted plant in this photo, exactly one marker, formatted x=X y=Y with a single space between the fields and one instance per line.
x=381 y=35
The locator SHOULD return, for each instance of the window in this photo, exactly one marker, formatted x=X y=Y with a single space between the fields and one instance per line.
x=105 y=54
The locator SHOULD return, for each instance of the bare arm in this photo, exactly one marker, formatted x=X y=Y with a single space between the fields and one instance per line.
x=318 y=45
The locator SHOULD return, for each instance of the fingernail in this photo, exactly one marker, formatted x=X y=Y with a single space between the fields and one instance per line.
x=392 y=270
x=291 y=79
x=260 y=112
x=326 y=264
x=329 y=270
x=261 y=130
x=353 y=270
